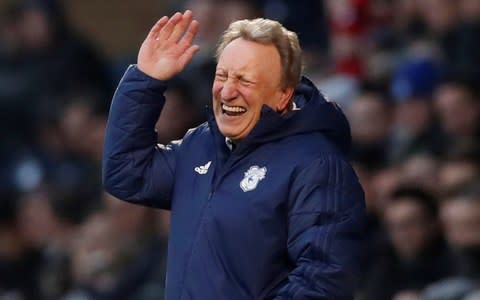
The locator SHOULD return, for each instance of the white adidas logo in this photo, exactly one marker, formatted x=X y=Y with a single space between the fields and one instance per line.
x=203 y=169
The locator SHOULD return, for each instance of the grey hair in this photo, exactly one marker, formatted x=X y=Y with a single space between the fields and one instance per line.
x=267 y=31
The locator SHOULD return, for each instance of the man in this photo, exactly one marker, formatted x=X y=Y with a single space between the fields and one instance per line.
x=263 y=203
x=415 y=254
x=460 y=214
x=457 y=103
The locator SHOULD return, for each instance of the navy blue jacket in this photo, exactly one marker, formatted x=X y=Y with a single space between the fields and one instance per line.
x=280 y=217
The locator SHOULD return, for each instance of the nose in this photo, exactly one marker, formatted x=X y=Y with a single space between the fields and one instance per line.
x=229 y=90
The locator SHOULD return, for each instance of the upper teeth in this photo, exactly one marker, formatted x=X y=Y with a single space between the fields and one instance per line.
x=233 y=108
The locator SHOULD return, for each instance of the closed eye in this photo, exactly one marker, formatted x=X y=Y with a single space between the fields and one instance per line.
x=245 y=81
x=220 y=76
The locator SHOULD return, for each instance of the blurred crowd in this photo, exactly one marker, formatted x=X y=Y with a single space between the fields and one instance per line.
x=406 y=73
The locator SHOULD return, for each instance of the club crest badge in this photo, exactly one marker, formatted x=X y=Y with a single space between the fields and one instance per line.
x=252 y=177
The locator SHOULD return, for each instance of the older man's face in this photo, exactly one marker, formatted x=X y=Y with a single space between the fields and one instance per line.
x=248 y=75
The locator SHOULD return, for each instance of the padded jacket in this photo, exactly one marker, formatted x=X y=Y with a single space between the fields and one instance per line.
x=279 y=217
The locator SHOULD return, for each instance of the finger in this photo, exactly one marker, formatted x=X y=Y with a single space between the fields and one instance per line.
x=181 y=26
x=190 y=34
x=188 y=55
x=168 y=28
x=157 y=27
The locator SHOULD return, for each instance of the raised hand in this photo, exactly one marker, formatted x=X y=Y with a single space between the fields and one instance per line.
x=168 y=47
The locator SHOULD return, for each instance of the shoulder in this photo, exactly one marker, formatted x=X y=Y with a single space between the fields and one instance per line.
x=196 y=135
x=311 y=158
x=303 y=149
x=318 y=160
x=327 y=169
x=202 y=130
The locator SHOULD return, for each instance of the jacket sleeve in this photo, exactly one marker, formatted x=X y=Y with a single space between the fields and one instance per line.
x=135 y=168
x=325 y=232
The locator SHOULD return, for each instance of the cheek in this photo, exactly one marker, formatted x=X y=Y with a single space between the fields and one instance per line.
x=272 y=101
x=250 y=97
x=216 y=89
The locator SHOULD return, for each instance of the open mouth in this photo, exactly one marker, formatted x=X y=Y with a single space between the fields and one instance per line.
x=233 y=110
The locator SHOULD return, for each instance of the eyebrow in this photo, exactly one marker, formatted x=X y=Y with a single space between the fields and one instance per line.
x=238 y=75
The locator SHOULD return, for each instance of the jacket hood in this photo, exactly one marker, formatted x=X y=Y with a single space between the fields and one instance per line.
x=312 y=113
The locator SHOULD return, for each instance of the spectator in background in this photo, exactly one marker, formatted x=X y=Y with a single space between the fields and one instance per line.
x=19 y=262
x=80 y=124
x=370 y=122
x=36 y=219
x=440 y=16
x=66 y=143
x=420 y=170
x=11 y=85
x=384 y=181
x=49 y=220
x=370 y=119
x=380 y=43
x=49 y=60
x=458 y=106
x=455 y=26
x=65 y=149
x=461 y=166
x=379 y=185
x=309 y=18
x=469 y=10
x=414 y=129
x=53 y=47
x=417 y=255
x=9 y=34
x=408 y=23
x=118 y=255
x=460 y=214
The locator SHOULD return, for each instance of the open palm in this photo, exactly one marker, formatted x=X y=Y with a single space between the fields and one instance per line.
x=168 y=47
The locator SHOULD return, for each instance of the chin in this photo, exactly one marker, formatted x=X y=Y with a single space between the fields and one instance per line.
x=234 y=129
x=232 y=132
x=229 y=133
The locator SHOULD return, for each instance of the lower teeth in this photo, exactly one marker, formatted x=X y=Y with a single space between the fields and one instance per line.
x=231 y=113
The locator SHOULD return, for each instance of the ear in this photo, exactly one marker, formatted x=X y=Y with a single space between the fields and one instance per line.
x=285 y=98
